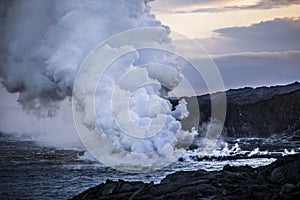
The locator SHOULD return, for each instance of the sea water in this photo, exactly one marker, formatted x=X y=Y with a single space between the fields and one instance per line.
x=31 y=171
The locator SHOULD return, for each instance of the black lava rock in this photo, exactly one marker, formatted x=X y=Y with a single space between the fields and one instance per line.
x=279 y=180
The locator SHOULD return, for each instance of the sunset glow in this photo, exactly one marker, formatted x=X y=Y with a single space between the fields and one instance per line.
x=206 y=22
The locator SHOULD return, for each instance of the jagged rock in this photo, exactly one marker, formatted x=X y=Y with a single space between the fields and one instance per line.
x=280 y=180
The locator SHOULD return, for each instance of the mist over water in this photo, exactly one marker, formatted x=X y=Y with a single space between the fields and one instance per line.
x=58 y=131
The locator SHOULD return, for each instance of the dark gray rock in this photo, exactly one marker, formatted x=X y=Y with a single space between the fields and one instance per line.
x=257 y=112
x=287 y=188
x=280 y=180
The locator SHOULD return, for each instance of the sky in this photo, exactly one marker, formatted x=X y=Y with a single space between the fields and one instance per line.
x=252 y=42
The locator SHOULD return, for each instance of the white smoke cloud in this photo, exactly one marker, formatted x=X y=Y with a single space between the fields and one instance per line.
x=48 y=40
x=45 y=42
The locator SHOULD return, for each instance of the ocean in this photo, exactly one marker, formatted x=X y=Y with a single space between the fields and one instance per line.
x=29 y=170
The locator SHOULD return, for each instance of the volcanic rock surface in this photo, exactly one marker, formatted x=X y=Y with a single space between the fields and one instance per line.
x=279 y=180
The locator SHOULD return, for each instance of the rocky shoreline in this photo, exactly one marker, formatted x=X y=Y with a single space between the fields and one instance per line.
x=270 y=115
x=279 y=180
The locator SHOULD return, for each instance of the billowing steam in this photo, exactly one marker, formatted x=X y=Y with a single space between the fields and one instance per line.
x=43 y=44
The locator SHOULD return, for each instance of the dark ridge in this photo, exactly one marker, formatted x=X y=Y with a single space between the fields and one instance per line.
x=251 y=112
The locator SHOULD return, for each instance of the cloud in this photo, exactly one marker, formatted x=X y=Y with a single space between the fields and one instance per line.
x=259 y=68
x=266 y=53
x=179 y=6
x=195 y=6
x=269 y=4
x=275 y=35
x=251 y=69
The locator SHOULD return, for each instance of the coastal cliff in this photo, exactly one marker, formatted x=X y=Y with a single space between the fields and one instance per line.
x=251 y=112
